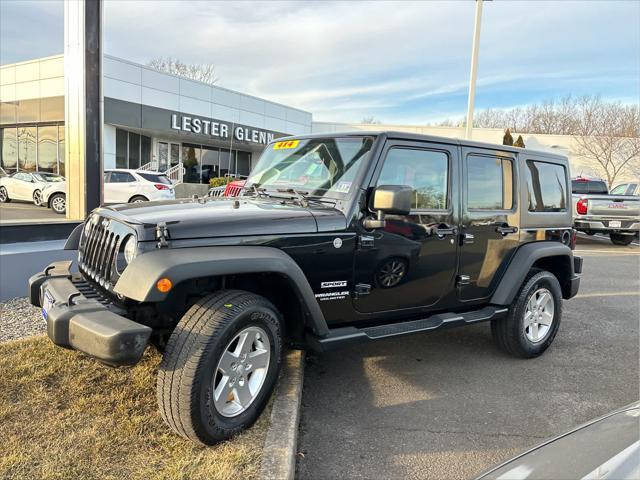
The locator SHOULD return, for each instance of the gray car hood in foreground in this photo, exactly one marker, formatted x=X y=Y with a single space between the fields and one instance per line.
x=608 y=447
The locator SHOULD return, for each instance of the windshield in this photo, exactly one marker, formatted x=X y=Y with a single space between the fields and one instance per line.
x=317 y=166
x=48 y=177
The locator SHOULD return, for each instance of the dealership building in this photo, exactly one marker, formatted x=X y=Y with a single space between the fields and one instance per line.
x=153 y=120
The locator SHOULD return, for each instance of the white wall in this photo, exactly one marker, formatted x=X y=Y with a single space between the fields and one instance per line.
x=42 y=77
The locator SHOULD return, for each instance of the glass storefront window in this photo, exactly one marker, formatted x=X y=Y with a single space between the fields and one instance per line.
x=243 y=164
x=145 y=150
x=9 y=150
x=210 y=167
x=61 y=165
x=175 y=154
x=225 y=159
x=191 y=163
x=134 y=150
x=27 y=149
x=48 y=149
x=121 y=148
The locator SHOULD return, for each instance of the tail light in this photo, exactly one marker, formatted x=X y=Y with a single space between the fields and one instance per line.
x=582 y=206
x=160 y=186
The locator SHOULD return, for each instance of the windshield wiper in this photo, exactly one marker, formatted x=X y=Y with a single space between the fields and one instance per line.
x=300 y=195
x=258 y=191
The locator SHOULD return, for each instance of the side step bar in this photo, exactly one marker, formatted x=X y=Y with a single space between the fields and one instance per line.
x=348 y=335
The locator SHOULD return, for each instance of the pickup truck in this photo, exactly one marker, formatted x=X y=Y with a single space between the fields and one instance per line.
x=597 y=211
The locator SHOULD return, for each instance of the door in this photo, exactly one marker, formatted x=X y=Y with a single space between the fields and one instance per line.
x=490 y=220
x=119 y=187
x=168 y=155
x=410 y=264
x=22 y=186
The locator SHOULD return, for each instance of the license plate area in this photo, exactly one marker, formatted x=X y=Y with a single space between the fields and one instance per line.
x=615 y=224
x=47 y=304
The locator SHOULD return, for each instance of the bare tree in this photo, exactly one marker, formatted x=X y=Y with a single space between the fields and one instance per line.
x=608 y=136
x=201 y=72
x=370 y=121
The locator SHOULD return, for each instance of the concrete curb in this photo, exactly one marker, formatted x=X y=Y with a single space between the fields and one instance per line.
x=279 y=454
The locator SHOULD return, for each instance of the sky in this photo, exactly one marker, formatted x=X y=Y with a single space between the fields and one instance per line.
x=400 y=62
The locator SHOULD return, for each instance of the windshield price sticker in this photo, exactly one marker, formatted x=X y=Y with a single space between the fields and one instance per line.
x=285 y=145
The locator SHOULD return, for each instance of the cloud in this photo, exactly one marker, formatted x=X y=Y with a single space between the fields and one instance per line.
x=399 y=61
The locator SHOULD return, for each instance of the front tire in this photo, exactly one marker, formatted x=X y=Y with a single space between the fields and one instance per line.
x=220 y=366
x=4 y=195
x=619 y=239
x=533 y=319
x=58 y=203
x=37 y=198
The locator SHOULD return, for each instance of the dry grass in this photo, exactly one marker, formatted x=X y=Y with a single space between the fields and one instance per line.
x=63 y=415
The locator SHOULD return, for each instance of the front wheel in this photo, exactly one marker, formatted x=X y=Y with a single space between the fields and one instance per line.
x=533 y=319
x=37 y=198
x=138 y=199
x=4 y=195
x=220 y=366
x=619 y=239
x=58 y=203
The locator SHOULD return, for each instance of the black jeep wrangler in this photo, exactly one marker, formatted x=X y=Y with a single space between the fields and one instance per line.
x=335 y=239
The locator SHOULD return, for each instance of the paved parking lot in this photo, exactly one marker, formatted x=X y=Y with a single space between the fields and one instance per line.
x=449 y=405
x=20 y=212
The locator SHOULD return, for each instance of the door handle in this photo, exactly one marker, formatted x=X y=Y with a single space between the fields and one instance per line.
x=443 y=230
x=506 y=229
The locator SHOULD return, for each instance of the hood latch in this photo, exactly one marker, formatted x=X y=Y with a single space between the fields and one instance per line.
x=162 y=235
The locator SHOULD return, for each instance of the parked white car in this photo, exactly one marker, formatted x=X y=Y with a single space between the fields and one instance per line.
x=120 y=186
x=27 y=186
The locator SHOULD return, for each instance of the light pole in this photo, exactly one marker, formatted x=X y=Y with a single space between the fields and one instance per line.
x=474 y=69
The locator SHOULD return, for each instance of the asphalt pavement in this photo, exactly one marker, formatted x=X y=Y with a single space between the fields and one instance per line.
x=450 y=405
x=22 y=212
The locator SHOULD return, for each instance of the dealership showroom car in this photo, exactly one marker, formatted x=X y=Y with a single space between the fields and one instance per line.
x=120 y=186
x=27 y=186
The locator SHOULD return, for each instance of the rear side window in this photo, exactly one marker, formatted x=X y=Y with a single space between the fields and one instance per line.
x=546 y=187
x=425 y=171
x=121 y=177
x=155 y=178
x=489 y=183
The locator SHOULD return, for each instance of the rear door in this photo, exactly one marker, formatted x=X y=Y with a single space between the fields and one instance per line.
x=119 y=187
x=490 y=220
x=410 y=264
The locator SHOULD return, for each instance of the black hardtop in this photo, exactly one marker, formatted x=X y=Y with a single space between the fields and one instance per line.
x=396 y=135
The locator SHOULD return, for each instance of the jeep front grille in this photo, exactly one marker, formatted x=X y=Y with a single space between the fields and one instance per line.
x=99 y=250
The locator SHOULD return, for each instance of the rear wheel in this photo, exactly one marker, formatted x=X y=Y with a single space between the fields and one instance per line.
x=534 y=318
x=220 y=366
x=138 y=199
x=4 y=195
x=58 y=202
x=619 y=239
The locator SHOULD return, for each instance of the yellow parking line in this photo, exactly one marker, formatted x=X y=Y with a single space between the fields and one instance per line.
x=614 y=294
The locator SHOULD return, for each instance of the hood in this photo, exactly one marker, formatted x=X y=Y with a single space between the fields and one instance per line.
x=205 y=218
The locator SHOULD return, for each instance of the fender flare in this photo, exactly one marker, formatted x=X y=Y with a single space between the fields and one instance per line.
x=73 y=241
x=138 y=281
x=521 y=264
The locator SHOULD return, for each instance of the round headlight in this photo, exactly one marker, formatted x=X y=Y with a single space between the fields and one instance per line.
x=130 y=249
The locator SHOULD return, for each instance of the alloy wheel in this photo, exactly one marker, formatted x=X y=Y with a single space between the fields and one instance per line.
x=241 y=371
x=391 y=273
x=37 y=198
x=3 y=195
x=538 y=315
x=58 y=204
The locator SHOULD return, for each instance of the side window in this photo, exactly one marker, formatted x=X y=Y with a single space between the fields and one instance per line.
x=632 y=189
x=546 y=187
x=620 y=189
x=489 y=183
x=426 y=171
x=121 y=177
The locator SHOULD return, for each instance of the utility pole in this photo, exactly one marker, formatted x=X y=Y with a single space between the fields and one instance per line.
x=474 y=69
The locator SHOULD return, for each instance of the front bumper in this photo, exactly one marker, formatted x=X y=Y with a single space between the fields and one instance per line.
x=80 y=318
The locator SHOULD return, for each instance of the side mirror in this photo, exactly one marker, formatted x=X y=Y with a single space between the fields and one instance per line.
x=389 y=199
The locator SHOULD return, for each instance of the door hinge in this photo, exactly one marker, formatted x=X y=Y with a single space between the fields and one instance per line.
x=366 y=241
x=362 y=289
x=463 y=280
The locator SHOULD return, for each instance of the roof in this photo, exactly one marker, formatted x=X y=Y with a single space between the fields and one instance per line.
x=391 y=134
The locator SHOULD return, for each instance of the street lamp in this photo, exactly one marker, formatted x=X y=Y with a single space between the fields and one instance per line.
x=474 y=69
